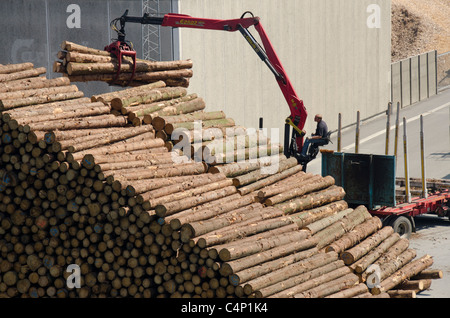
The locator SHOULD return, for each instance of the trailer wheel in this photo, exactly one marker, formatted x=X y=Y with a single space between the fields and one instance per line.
x=402 y=225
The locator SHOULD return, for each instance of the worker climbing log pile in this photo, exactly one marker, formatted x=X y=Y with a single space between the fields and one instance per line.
x=82 y=64
x=81 y=185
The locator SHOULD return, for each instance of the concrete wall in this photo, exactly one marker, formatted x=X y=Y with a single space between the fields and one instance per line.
x=32 y=30
x=414 y=79
x=336 y=53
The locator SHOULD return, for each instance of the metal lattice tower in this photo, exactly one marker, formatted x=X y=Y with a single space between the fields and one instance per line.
x=151 y=46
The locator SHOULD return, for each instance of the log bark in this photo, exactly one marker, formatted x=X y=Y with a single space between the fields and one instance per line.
x=356 y=290
x=342 y=226
x=12 y=68
x=232 y=143
x=388 y=268
x=172 y=78
x=71 y=46
x=193 y=191
x=269 y=150
x=286 y=184
x=161 y=121
x=321 y=183
x=409 y=270
x=239 y=168
x=225 y=122
x=179 y=187
x=355 y=236
x=22 y=74
x=33 y=83
x=67 y=135
x=150 y=185
x=173 y=207
x=157 y=94
x=94 y=110
x=251 y=273
x=393 y=252
x=157 y=172
x=78 y=57
x=21 y=102
x=106 y=98
x=307 y=217
x=108 y=138
x=292 y=270
x=205 y=212
x=293 y=285
x=74 y=68
x=47 y=108
x=209 y=134
x=253 y=247
x=122 y=146
x=401 y=293
x=324 y=223
x=223 y=220
x=267 y=220
x=416 y=285
x=331 y=287
x=295 y=171
x=102 y=121
x=368 y=251
x=333 y=193
x=19 y=94
x=175 y=106
x=429 y=274
x=262 y=173
x=240 y=264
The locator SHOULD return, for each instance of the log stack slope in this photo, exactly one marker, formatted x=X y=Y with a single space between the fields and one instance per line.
x=84 y=183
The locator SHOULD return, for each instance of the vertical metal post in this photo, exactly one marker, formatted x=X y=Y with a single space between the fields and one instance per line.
x=388 y=127
x=286 y=140
x=339 y=137
x=405 y=155
x=422 y=155
x=397 y=124
x=357 y=133
x=261 y=123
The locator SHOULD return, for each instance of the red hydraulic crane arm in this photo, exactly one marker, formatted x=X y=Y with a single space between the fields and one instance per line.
x=267 y=54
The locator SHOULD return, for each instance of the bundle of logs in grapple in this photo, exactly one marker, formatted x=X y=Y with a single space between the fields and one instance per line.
x=83 y=64
x=82 y=186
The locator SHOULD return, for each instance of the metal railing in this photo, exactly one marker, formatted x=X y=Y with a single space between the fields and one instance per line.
x=443 y=71
x=414 y=79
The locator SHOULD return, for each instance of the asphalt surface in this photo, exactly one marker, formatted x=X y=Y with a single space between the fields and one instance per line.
x=432 y=234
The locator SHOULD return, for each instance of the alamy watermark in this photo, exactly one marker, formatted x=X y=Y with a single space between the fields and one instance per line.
x=74 y=279
x=374 y=19
x=373 y=279
x=73 y=21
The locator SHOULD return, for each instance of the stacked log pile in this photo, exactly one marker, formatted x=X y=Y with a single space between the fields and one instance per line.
x=82 y=64
x=60 y=206
x=85 y=186
x=180 y=119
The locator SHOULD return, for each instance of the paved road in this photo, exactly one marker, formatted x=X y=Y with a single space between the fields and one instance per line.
x=433 y=237
x=432 y=234
x=436 y=118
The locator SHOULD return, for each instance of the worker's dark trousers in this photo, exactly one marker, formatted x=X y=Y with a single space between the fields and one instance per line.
x=312 y=142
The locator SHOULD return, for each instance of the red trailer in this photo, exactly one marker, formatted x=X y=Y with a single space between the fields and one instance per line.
x=370 y=180
x=401 y=216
